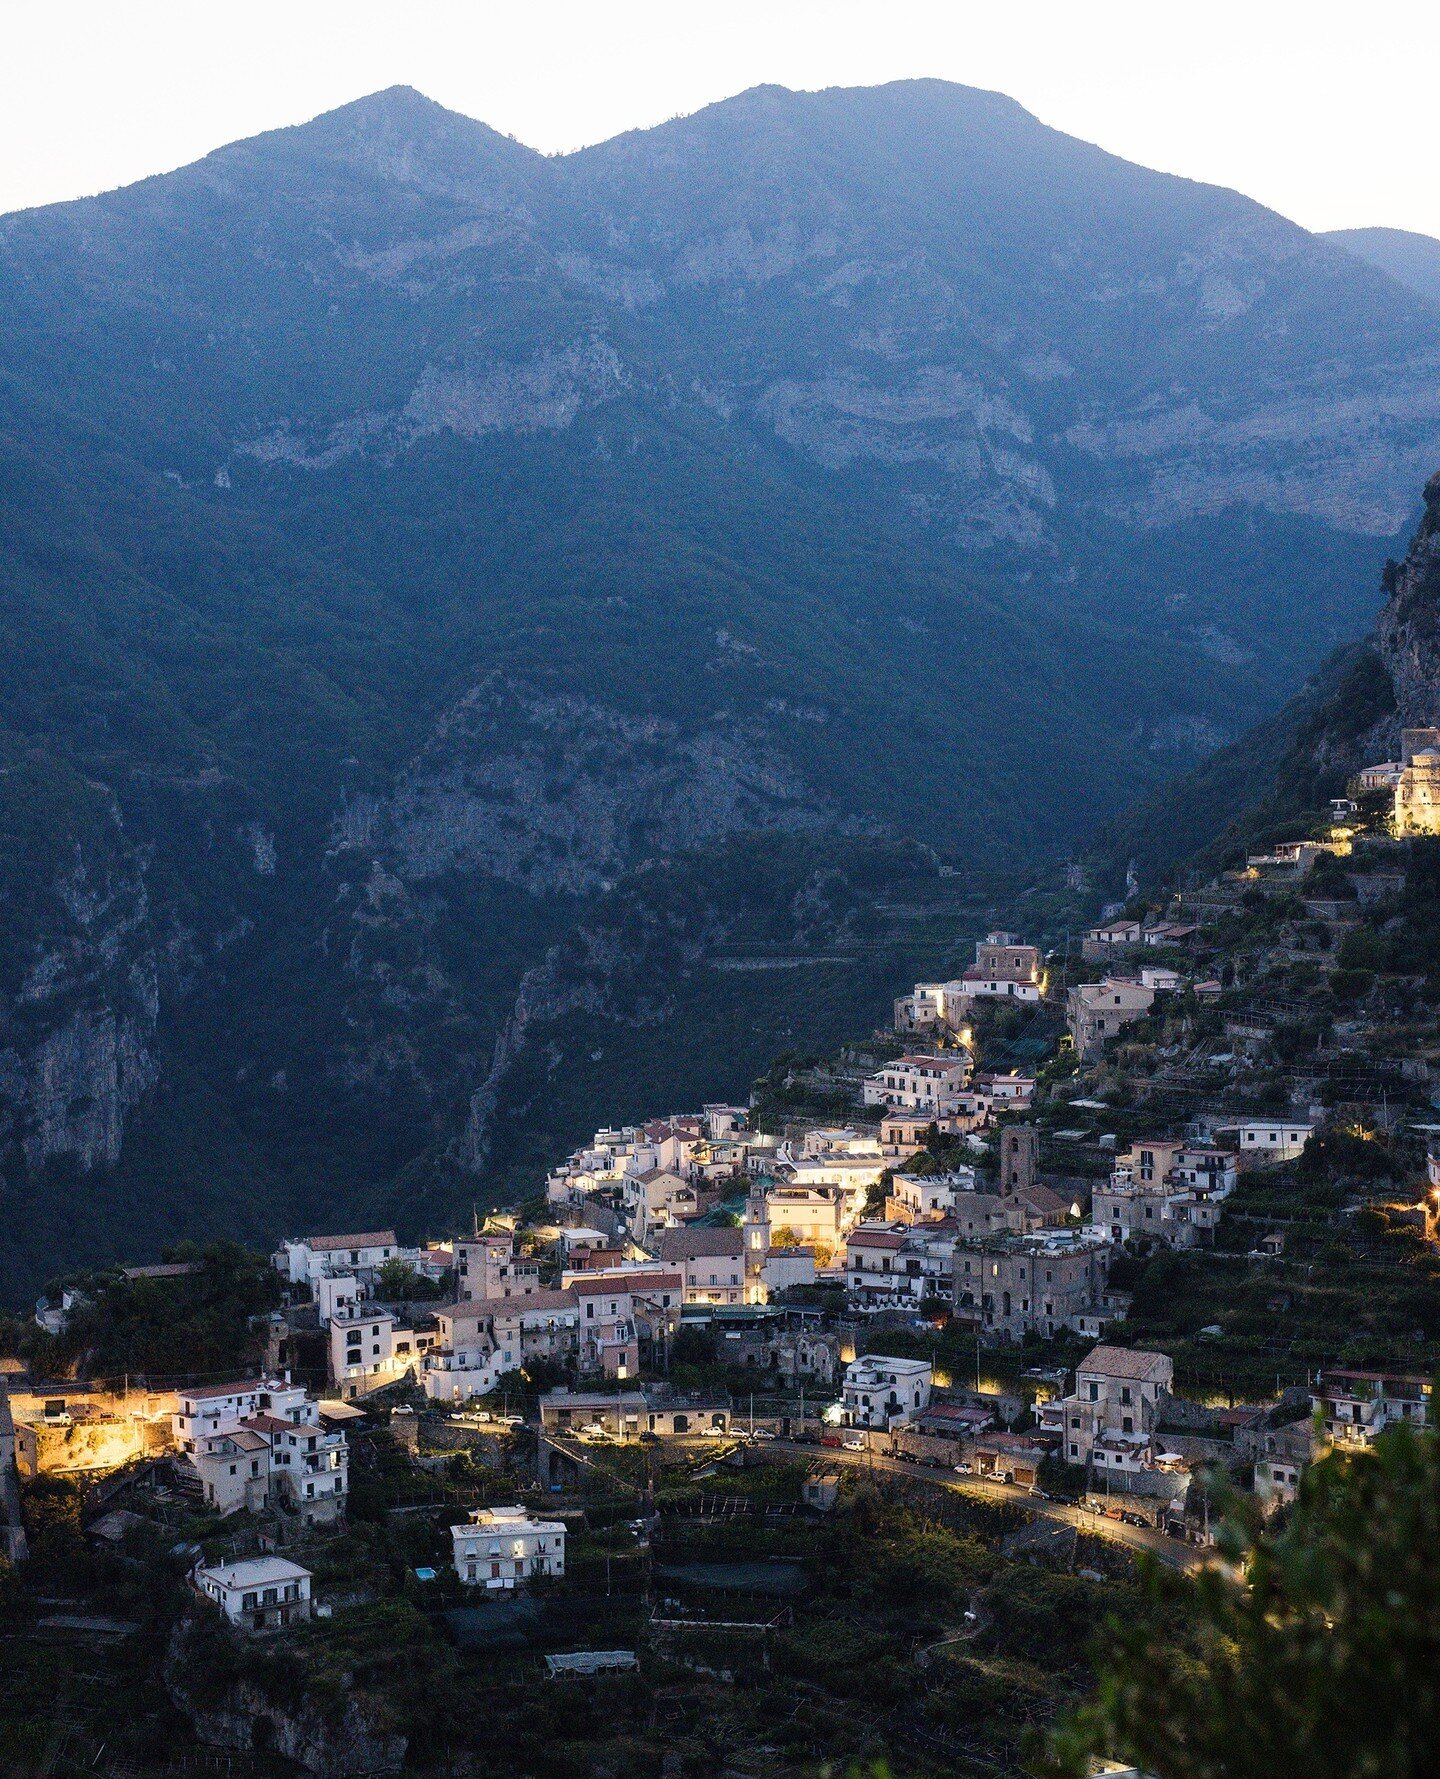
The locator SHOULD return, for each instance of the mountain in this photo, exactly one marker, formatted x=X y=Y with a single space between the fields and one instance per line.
x=1349 y=715
x=1410 y=259
x=493 y=643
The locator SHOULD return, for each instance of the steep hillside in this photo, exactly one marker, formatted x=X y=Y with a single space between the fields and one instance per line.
x=1410 y=259
x=480 y=630
x=1350 y=715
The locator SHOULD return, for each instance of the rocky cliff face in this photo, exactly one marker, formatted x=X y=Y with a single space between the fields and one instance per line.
x=1408 y=634
x=561 y=795
x=1395 y=684
x=79 y=1031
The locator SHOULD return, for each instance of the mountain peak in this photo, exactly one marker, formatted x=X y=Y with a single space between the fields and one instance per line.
x=402 y=137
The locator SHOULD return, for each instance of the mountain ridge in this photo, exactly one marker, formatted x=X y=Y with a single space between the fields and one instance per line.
x=457 y=601
x=1411 y=258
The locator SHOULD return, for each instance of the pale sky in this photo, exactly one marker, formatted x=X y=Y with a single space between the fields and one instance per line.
x=1320 y=109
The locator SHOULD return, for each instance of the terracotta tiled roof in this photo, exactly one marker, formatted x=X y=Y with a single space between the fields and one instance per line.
x=329 y=1244
x=1125 y=1362
x=700 y=1244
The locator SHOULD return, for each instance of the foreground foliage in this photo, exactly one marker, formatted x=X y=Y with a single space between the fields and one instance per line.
x=1316 y=1651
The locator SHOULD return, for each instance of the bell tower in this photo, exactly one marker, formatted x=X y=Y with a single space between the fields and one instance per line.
x=1019 y=1158
x=756 y=1235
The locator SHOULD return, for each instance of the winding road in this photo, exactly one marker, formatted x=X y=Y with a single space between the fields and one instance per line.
x=1168 y=1550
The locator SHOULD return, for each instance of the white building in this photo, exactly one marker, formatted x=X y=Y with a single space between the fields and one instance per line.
x=264 y=1447
x=817 y=1216
x=884 y=1393
x=656 y=1199
x=1354 y=1407
x=334 y=1293
x=202 y=1409
x=899 y=1265
x=501 y=1547
x=931 y=1084
x=1272 y=1139
x=918 y=1196
x=307 y=1258
x=260 y=1594
x=368 y=1348
x=480 y=1341
x=785 y=1268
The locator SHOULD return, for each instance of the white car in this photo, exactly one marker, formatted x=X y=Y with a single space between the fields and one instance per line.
x=964 y=1470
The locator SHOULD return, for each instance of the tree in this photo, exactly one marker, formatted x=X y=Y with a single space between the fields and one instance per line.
x=395 y=1280
x=1314 y=1649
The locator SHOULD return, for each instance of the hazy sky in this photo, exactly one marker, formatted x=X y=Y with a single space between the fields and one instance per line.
x=1320 y=109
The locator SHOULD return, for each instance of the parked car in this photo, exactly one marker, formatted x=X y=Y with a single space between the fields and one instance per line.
x=831 y=1440
x=762 y=1433
x=854 y=1442
x=964 y=1470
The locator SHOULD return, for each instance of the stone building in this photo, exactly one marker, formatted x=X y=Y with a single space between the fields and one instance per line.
x=1010 y=1285
x=1110 y=1420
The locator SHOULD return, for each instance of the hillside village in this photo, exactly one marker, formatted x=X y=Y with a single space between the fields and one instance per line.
x=1083 y=1235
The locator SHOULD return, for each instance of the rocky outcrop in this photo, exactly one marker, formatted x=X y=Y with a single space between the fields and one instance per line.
x=1408 y=633
x=545 y=392
x=562 y=795
x=230 y=1708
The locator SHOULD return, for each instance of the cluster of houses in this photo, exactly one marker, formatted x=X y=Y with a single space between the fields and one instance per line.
x=1017 y=1257
x=1005 y=969
x=1119 y=1422
x=698 y=1218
